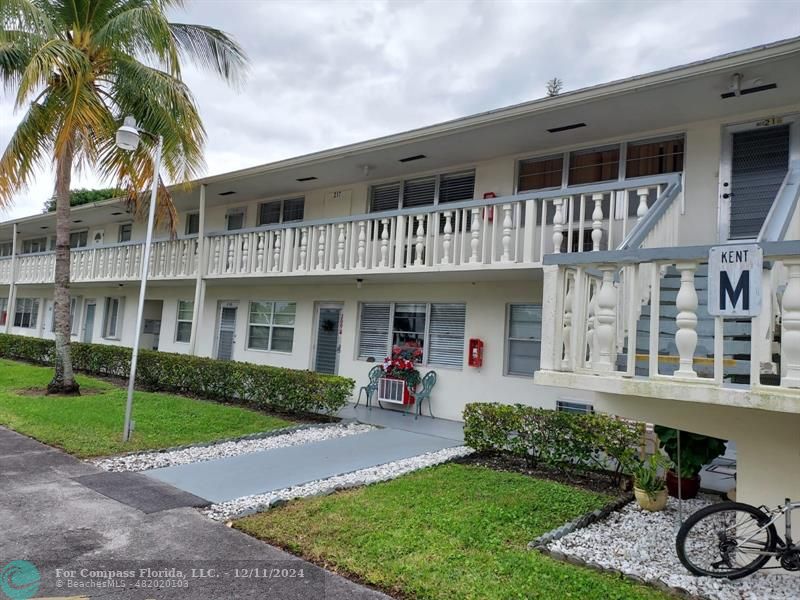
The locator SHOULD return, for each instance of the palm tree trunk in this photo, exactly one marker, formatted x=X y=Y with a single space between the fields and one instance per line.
x=64 y=378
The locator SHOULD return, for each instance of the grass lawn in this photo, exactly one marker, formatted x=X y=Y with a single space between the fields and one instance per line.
x=91 y=425
x=453 y=532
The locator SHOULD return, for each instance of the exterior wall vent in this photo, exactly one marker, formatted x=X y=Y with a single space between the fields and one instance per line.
x=228 y=193
x=411 y=158
x=750 y=90
x=312 y=178
x=566 y=127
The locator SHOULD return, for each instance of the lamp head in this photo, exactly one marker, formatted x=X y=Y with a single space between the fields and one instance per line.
x=128 y=135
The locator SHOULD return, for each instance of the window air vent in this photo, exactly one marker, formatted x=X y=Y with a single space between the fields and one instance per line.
x=411 y=158
x=752 y=90
x=566 y=127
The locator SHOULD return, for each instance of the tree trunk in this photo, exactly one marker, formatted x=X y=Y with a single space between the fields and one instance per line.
x=63 y=379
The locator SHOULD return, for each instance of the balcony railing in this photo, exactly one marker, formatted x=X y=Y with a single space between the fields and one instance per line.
x=600 y=328
x=498 y=233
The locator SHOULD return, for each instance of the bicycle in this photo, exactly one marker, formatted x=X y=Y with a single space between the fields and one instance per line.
x=716 y=540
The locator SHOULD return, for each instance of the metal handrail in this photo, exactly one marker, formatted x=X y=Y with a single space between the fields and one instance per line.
x=639 y=232
x=780 y=214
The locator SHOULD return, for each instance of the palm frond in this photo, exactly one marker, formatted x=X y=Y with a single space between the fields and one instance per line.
x=26 y=15
x=56 y=59
x=211 y=49
x=28 y=148
x=142 y=31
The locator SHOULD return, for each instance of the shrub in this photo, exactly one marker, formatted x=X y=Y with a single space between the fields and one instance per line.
x=256 y=386
x=554 y=439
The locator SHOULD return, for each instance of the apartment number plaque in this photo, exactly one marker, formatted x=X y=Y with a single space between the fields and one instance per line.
x=734 y=280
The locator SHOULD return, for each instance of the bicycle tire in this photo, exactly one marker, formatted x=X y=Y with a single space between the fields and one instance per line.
x=761 y=519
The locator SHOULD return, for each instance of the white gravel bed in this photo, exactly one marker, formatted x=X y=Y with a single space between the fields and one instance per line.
x=642 y=544
x=155 y=460
x=250 y=504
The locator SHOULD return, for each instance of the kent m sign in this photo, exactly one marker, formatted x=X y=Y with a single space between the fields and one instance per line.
x=734 y=280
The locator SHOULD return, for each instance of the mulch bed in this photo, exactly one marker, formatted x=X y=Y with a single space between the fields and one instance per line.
x=593 y=481
x=42 y=392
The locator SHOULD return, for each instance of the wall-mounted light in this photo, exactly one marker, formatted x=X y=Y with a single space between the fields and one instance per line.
x=359 y=283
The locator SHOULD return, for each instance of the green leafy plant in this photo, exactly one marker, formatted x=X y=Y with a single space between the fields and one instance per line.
x=255 y=386
x=554 y=439
x=648 y=474
x=696 y=450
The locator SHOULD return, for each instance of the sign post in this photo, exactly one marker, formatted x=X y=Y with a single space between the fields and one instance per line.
x=734 y=280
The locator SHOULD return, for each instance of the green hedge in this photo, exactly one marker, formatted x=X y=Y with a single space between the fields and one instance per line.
x=555 y=439
x=256 y=386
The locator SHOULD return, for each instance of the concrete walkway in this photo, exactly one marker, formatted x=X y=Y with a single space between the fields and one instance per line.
x=237 y=476
x=60 y=513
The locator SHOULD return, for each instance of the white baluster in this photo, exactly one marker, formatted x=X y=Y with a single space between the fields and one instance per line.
x=276 y=253
x=558 y=225
x=215 y=262
x=321 y=247
x=447 y=238
x=231 y=253
x=419 y=255
x=303 y=249
x=642 y=209
x=605 y=319
x=790 y=336
x=362 y=244
x=340 y=247
x=597 y=221
x=475 y=242
x=260 y=251
x=590 y=324
x=245 y=263
x=686 y=336
x=508 y=223
x=565 y=359
x=384 y=242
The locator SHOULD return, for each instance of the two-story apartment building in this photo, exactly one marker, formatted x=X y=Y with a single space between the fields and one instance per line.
x=566 y=234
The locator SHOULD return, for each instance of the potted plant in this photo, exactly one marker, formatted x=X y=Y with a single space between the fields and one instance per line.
x=696 y=451
x=649 y=487
x=400 y=376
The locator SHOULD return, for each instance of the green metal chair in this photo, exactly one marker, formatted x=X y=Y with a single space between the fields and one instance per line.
x=374 y=375
x=427 y=383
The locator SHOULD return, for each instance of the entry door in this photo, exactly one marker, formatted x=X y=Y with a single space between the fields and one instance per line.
x=755 y=161
x=88 y=322
x=226 y=335
x=329 y=333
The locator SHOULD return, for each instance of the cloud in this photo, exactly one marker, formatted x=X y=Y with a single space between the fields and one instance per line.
x=329 y=73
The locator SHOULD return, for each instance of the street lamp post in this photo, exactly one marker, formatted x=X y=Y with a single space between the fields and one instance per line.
x=128 y=139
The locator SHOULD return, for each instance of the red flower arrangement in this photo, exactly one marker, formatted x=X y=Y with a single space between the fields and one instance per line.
x=402 y=365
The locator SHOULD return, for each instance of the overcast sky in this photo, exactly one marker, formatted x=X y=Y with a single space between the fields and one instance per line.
x=330 y=73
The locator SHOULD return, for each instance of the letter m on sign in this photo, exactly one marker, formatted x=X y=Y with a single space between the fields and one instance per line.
x=734 y=280
x=726 y=290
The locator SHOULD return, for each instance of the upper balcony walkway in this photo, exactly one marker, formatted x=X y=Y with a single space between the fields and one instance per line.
x=498 y=233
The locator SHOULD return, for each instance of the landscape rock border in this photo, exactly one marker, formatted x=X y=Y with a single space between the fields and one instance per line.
x=541 y=543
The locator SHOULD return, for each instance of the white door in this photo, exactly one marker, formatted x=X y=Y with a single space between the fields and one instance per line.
x=226 y=330
x=88 y=321
x=329 y=338
x=755 y=160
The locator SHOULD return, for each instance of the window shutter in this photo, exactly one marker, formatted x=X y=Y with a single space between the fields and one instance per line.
x=419 y=192
x=373 y=339
x=446 y=335
x=384 y=197
x=456 y=187
x=293 y=209
x=269 y=213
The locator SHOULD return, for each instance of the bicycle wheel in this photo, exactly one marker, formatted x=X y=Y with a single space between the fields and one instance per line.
x=728 y=539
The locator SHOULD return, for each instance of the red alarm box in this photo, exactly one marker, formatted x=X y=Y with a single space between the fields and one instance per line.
x=475 y=353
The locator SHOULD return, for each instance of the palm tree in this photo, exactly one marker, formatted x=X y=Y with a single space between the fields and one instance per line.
x=77 y=67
